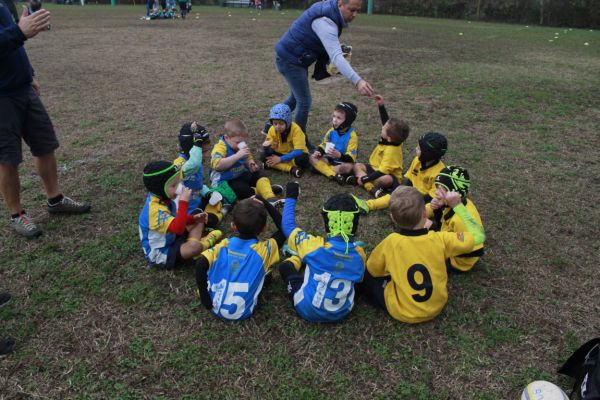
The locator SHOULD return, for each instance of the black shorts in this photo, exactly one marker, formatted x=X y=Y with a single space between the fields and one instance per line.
x=174 y=254
x=395 y=182
x=24 y=118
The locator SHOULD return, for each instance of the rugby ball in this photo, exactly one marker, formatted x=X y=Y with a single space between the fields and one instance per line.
x=543 y=390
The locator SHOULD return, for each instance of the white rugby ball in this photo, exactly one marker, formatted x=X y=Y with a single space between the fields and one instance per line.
x=543 y=390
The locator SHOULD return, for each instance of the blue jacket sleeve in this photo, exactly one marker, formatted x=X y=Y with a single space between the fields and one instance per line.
x=291 y=155
x=11 y=38
x=288 y=221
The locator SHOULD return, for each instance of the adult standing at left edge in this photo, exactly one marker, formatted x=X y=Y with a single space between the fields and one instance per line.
x=314 y=37
x=24 y=118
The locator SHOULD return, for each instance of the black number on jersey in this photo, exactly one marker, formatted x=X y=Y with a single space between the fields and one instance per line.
x=425 y=285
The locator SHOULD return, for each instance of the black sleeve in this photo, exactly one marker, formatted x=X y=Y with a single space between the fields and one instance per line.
x=320 y=149
x=372 y=176
x=275 y=215
x=407 y=182
x=202 y=282
x=383 y=114
x=279 y=238
x=346 y=158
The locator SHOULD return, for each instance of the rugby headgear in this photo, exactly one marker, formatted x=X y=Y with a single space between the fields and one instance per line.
x=350 y=110
x=341 y=214
x=157 y=175
x=281 y=112
x=454 y=179
x=192 y=134
x=433 y=146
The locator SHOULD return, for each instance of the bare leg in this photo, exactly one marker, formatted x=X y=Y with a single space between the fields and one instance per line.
x=46 y=168
x=10 y=186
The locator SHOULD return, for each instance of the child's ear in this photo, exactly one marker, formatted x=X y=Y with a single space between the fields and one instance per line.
x=264 y=228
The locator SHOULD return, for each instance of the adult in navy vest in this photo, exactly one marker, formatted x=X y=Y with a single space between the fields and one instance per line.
x=24 y=118
x=314 y=37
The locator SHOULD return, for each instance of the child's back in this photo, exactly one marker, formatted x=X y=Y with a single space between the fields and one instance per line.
x=231 y=275
x=333 y=265
x=413 y=260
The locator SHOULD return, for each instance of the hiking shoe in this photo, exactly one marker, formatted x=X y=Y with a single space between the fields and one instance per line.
x=6 y=346
x=277 y=189
x=296 y=172
x=24 y=225
x=340 y=179
x=211 y=238
x=352 y=180
x=4 y=298
x=69 y=206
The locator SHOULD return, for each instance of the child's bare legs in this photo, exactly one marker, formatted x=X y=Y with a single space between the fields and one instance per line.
x=192 y=247
x=344 y=168
x=359 y=170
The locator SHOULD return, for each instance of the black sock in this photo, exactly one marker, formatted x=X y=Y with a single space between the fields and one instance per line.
x=55 y=200
x=17 y=214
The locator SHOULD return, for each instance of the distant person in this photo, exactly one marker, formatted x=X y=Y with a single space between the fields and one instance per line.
x=24 y=118
x=314 y=37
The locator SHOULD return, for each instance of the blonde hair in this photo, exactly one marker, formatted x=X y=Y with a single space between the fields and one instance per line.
x=235 y=128
x=407 y=206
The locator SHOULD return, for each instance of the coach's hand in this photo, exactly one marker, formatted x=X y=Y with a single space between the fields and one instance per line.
x=364 y=88
x=292 y=190
x=33 y=24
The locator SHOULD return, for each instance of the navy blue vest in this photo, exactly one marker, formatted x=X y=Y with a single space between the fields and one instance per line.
x=300 y=45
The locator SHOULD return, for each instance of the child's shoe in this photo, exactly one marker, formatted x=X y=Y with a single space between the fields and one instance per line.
x=340 y=179
x=296 y=172
x=379 y=192
x=352 y=180
x=277 y=190
x=277 y=203
x=209 y=240
x=363 y=208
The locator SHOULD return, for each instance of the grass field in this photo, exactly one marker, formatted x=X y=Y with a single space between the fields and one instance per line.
x=520 y=107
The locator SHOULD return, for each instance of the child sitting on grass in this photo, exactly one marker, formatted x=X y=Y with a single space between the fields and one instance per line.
x=384 y=169
x=324 y=292
x=231 y=275
x=285 y=146
x=427 y=164
x=406 y=273
x=454 y=179
x=234 y=172
x=340 y=145
x=170 y=237
x=194 y=145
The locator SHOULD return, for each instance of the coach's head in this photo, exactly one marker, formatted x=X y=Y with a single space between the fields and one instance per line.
x=349 y=9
